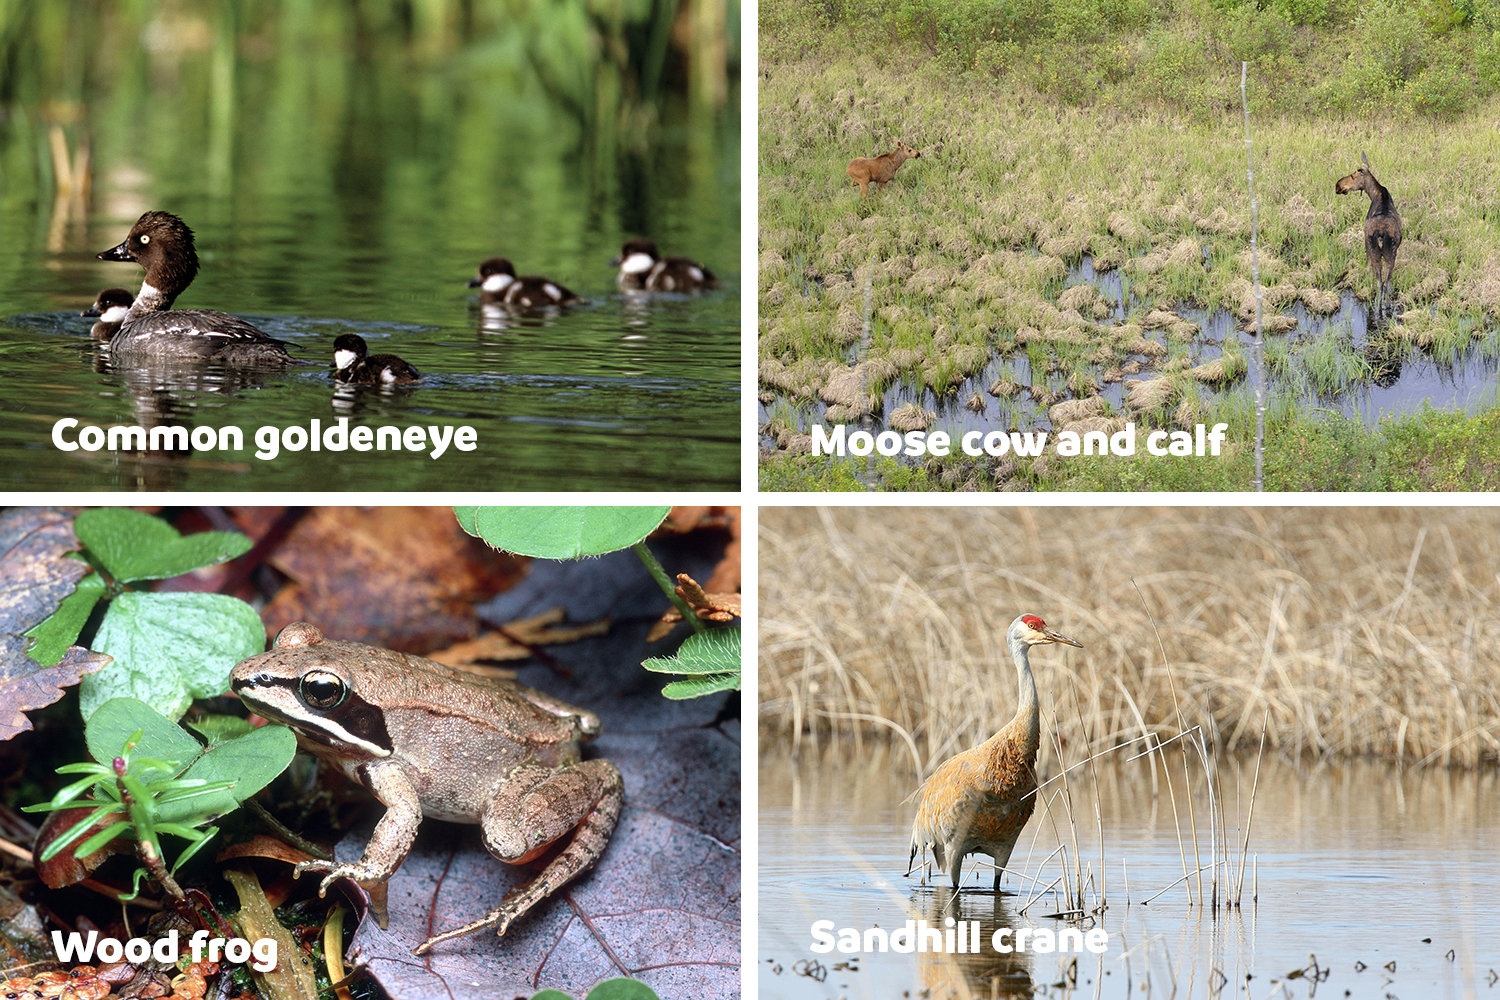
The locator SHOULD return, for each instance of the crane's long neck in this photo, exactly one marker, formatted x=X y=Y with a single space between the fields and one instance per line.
x=1028 y=716
x=1027 y=711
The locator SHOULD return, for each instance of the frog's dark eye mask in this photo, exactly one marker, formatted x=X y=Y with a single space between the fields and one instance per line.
x=321 y=707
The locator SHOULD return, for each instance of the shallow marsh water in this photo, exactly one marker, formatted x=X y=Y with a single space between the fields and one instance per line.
x=358 y=189
x=1359 y=865
x=1410 y=380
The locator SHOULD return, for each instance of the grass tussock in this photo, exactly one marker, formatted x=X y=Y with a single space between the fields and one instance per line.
x=1351 y=631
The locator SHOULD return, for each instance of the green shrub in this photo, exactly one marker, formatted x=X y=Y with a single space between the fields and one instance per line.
x=1441 y=91
x=1302 y=11
x=1254 y=35
x=1392 y=38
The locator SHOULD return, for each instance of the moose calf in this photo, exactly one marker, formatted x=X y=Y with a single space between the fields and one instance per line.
x=879 y=169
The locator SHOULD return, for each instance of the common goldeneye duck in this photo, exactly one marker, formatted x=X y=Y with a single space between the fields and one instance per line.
x=355 y=363
x=111 y=307
x=162 y=244
x=643 y=269
x=498 y=285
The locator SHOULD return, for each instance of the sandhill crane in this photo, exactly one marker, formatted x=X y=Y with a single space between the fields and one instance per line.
x=1382 y=228
x=978 y=801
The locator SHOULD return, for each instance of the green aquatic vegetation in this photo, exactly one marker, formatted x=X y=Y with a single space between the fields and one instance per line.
x=804 y=473
x=1332 y=362
x=1488 y=344
x=1434 y=450
x=1425 y=451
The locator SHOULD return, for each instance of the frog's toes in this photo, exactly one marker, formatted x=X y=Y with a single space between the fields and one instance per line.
x=310 y=866
x=333 y=873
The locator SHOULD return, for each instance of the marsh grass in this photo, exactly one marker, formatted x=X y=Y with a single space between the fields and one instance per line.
x=1083 y=890
x=1431 y=451
x=1348 y=631
x=1333 y=363
x=967 y=253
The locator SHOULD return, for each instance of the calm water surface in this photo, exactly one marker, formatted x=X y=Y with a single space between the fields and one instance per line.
x=1359 y=866
x=346 y=169
x=1405 y=379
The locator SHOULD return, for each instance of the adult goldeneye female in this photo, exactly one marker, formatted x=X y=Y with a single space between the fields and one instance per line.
x=162 y=244
x=111 y=307
x=353 y=362
x=642 y=269
x=498 y=285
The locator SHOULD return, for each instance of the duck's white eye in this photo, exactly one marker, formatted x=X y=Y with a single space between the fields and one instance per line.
x=145 y=238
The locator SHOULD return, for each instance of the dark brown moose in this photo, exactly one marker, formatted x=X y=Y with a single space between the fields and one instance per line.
x=1382 y=229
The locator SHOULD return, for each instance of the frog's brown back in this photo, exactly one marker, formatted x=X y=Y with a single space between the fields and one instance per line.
x=498 y=702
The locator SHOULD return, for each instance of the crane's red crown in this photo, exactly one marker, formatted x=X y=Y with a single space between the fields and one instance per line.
x=1033 y=622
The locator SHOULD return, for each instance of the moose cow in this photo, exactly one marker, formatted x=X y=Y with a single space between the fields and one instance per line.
x=1382 y=228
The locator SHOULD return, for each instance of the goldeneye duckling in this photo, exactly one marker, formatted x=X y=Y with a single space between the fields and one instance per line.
x=499 y=285
x=162 y=244
x=355 y=363
x=642 y=269
x=111 y=307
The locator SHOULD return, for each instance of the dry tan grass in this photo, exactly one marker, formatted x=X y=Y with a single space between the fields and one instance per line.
x=1072 y=410
x=1212 y=372
x=1278 y=324
x=1148 y=394
x=911 y=417
x=1353 y=630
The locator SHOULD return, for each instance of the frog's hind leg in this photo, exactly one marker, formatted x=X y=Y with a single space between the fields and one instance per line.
x=584 y=799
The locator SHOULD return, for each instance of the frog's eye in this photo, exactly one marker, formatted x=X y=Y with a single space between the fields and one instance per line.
x=323 y=690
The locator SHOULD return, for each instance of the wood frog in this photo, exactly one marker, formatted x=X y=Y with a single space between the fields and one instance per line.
x=430 y=740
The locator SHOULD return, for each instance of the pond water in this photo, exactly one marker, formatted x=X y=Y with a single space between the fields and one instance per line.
x=1365 y=880
x=1402 y=378
x=345 y=169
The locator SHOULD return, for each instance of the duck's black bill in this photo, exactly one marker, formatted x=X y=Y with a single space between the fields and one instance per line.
x=121 y=252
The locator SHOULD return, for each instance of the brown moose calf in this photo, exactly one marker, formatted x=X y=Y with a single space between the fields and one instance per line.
x=879 y=169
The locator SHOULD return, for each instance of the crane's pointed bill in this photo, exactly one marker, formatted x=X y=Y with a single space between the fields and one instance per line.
x=1058 y=637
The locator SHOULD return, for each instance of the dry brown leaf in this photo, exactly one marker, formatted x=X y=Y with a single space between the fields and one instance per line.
x=406 y=578
x=726 y=575
x=519 y=639
x=262 y=846
x=65 y=867
x=682 y=519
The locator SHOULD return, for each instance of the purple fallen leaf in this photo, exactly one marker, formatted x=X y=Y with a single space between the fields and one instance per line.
x=35 y=576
